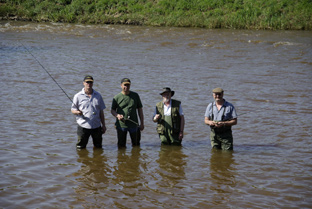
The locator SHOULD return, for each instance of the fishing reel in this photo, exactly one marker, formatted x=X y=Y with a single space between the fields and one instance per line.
x=213 y=126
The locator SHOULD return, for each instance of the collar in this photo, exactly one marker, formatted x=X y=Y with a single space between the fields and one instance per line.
x=126 y=94
x=83 y=91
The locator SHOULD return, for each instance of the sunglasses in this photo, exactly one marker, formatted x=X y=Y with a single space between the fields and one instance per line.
x=89 y=82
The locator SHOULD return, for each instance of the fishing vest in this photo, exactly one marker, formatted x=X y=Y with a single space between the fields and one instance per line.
x=175 y=117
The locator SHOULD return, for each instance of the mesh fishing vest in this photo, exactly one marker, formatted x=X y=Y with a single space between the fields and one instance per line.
x=175 y=116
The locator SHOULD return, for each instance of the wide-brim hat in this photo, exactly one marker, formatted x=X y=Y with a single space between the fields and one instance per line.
x=165 y=90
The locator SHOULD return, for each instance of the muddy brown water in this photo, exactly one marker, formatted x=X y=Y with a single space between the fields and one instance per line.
x=266 y=75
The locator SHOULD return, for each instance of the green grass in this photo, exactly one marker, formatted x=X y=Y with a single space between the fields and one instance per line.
x=234 y=14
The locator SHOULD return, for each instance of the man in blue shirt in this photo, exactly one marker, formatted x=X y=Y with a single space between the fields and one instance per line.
x=88 y=106
x=220 y=116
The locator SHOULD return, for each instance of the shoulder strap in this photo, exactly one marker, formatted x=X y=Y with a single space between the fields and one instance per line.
x=212 y=116
x=223 y=115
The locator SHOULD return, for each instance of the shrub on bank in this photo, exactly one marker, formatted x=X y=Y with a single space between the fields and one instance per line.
x=238 y=14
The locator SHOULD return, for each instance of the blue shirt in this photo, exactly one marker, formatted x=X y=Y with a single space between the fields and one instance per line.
x=227 y=110
x=90 y=108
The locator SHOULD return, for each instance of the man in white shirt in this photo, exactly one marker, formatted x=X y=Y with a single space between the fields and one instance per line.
x=88 y=106
x=170 y=118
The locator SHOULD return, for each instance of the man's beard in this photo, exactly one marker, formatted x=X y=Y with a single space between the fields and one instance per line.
x=165 y=100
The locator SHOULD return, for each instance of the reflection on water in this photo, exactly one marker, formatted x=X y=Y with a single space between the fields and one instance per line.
x=91 y=178
x=94 y=168
x=222 y=172
x=127 y=172
x=171 y=166
x=265 y=74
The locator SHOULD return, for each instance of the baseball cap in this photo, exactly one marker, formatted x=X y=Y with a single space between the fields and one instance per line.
x=88 y=78
x=126 y=81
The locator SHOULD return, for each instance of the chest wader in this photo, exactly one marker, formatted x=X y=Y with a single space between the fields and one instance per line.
x=168 y=127
x=221 y=138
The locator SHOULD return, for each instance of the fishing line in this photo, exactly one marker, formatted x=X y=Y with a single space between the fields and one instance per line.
x=49 y=75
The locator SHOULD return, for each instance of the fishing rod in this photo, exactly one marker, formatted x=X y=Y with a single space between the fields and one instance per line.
x=138 y=133
x=49 y=75
x=132 y=120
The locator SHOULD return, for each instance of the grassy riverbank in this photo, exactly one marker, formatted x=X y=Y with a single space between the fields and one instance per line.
x=235 y=14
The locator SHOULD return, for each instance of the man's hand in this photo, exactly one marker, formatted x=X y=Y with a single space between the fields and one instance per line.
x=77 y=112
x=156 y=118
x=220 y=124
x=181 y=135
x=120 y=117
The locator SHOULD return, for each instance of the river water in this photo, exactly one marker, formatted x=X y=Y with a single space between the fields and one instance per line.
x=266 y=75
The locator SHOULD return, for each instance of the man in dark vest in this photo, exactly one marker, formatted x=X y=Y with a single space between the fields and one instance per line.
x=220 y=116
x=170 y=119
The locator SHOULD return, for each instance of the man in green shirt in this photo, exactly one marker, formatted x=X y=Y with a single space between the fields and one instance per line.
x=126 y=107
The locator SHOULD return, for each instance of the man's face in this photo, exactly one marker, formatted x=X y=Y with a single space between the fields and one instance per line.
x=218 y=96
x=88 y=85
x=166 y=97
x=125 y=87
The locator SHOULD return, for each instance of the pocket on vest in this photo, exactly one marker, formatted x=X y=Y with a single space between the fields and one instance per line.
x=175 y=123
x=160 y=129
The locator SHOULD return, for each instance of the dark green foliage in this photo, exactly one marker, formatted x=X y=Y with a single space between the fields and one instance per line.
x=239 y=14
